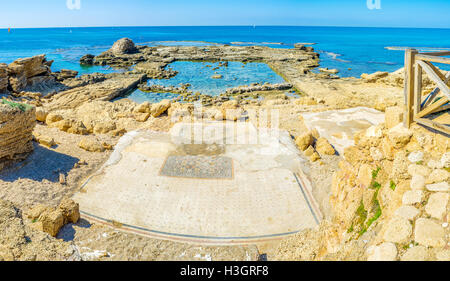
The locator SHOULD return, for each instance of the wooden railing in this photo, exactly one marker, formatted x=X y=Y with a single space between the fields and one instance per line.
x=419 y=107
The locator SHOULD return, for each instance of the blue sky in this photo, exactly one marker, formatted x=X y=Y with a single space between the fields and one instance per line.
x=393 y=13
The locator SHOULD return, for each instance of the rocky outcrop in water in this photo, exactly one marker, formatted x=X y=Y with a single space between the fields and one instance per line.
x=31 y=75
x=259 y=88
x=87 y=59
x=16 y=127
x=123 y=46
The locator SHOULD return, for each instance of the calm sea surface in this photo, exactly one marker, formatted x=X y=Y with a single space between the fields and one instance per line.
x=352 y=50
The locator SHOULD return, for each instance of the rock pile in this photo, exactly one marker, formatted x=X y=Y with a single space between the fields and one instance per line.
x=16 y=126
x=18 y=242
x=313 y=145
x=51 y=220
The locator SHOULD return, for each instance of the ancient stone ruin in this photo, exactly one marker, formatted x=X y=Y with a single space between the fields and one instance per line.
x=16 y=126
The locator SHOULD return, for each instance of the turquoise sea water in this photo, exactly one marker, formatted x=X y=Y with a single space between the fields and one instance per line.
x=364 y=50
x=199 y=76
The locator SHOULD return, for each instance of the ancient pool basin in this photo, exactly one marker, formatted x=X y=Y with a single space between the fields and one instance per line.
x=218 y=190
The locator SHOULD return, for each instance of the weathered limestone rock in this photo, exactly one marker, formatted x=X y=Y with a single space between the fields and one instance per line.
x=62 y=179
x=398 y=230
x=144 y=107
x=87 y=59
x=412 y=197
x=400 y=166
x=29 y=72
x=104 y=127
x=417 y=253
x=383 y=252
x=429 y=233
x=3 y=78
x=104 y=90
x=91 y=144
x=438 y=175
x=324 y=147
x=41 y=114
x=78 y=128
x=304 y=141
x=217 y=76
x=66 y=74
x=50 y=220
x=22 y=243
x=123 y=46
x=364 y=176
x=62 y=125
x=393 y=116
x=407 y=212
x=314 y=157
x=387 y=148
x=16 y=128
x=309 y=151
x=44 y=140
x=141 y=117
x=434 y=164
x=415 y=157
x=445 y=160
x=159 y=108
x=438 y=187
x=437 y=205
x=414 y=169
x=70 y=210
x=376 y=154
x=418 y=182
x=370 y=78
x=327 y=70
x=353 y=154
x=399 y=136
x=229 y=110
x=53 y=118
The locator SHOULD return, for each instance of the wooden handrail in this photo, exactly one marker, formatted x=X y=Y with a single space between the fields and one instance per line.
x=433 y=58
x=416 y=109
x=445 y=53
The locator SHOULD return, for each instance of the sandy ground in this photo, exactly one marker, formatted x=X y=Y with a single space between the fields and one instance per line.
x=36 y=180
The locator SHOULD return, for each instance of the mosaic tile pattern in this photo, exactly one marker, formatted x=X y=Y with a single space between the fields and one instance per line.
x=203 y=167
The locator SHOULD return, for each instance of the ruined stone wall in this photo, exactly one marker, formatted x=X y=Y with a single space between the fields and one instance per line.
x=390 y=200
x=16 y=127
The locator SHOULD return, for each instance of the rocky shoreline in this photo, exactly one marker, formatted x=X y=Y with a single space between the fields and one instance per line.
x=75 y=121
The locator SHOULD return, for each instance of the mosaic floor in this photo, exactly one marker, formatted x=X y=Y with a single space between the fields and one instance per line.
x=202 y=194
x=201 y=167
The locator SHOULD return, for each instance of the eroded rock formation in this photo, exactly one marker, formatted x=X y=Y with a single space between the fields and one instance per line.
x=16 y=127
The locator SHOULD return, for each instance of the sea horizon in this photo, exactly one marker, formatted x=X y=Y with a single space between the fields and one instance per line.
x=351 y=50
x=227 y=25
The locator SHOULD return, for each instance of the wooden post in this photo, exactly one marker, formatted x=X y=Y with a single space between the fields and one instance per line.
x=409 y=86
x=417 y=90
